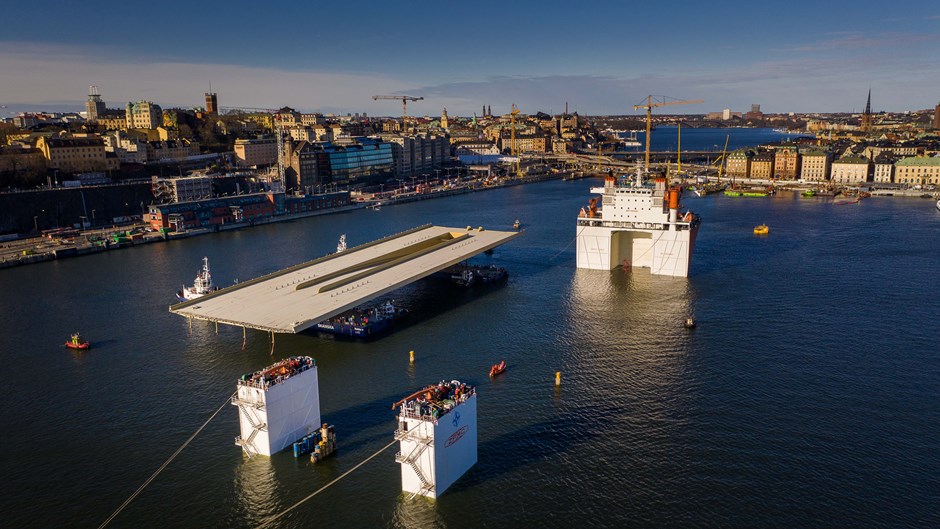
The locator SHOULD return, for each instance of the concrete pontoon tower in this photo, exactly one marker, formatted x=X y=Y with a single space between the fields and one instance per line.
x=437 y=428
x=637 y=225
x=277 y=405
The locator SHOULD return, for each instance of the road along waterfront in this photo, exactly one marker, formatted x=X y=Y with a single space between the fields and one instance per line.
x=806 y=394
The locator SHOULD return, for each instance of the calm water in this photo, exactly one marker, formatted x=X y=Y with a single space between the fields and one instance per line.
x=807 y=396
x=667 y=138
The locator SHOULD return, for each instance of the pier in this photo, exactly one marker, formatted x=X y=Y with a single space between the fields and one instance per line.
x=298 y=297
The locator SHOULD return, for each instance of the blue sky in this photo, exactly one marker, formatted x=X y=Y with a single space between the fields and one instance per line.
x=600 y=57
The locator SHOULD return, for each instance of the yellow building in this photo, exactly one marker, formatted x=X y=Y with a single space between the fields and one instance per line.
x=739 y=163
x=143 y=115
x=75 y=154
x=762 y=165
x=815 y=166
x=917 y=171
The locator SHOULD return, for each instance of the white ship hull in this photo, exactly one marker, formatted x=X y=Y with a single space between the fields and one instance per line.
x=663 y=252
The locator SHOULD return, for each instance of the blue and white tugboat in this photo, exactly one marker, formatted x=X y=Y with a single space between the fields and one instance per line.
x=363 y=323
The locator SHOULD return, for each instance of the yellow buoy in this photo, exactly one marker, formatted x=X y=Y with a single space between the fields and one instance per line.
x=557 y=378
x=411 y=356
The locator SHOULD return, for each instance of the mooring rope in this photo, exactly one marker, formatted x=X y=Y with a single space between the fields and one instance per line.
x=164 y=465
x=324 y=487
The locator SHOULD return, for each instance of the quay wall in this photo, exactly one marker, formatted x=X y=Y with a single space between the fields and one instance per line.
x=65 y=206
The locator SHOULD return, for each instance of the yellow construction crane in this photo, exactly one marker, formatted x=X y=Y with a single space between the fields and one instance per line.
x=651 y=103
x=512 y=138
x=404 y=106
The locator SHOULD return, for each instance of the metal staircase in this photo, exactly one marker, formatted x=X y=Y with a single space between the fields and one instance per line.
x=411 y=459
x=248 y=409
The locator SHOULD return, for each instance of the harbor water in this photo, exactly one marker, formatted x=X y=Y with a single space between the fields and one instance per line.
x=805 y=397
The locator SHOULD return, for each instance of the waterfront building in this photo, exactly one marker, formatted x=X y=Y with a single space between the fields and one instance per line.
x=762 y=165
x=184 y=189
x=212 y=103
x=75 y=154
x=815 y=166
x=786 y=162
x=884 y=168
x=216 y=212
x=181 y=216
x=301 y=166
x=524 y=143
x=739 y=162
x=851 y=169
x=417 y=154
x=143 y=115
x=357 y=161
x=917 y=171
x=255 y=152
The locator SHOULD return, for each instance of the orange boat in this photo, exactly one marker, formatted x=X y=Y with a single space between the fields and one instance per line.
x=77 y=343
x=497 y=369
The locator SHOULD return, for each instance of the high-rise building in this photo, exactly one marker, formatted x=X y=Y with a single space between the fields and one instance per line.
x=94 y=107
x=212 y=103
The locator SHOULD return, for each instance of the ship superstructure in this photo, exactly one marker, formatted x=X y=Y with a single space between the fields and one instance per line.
x=277 y=405
x=638 y=225
x=202 y=285
x=437 y=431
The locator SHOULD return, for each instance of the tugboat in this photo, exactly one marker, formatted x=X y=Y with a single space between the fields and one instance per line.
x=76 y=342
x=498 y=369
x=469 y=275
x=363 y=323
x=201 y=286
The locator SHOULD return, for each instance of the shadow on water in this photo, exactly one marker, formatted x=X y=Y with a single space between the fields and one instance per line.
x=533 y=444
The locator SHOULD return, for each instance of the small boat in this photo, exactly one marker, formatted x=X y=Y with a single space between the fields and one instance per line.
x=364 y=322
x=76 y=342
x=516 y=225
x=201 y=286
x=690 y=323
x=809 y=193
x=498 y=369
x=938 y=204
x=732 y=193
x=469 y=275
x=341 y=247
x=763 y=229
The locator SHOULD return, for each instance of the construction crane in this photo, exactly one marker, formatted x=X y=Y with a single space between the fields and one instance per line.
x=512 y=137
x=404 y=106
x=660 y=101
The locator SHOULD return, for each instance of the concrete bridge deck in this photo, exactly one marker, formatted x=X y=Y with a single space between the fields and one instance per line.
x=297 y=298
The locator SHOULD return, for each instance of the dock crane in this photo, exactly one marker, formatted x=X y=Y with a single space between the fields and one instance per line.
x=656 y=102
x=404 y=106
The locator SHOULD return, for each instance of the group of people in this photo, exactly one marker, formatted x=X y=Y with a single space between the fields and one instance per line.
x=279 y=372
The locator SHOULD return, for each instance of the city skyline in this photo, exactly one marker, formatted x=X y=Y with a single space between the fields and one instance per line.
x=601 y=59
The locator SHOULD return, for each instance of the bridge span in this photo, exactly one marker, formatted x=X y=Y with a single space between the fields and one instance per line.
x=298 y=297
